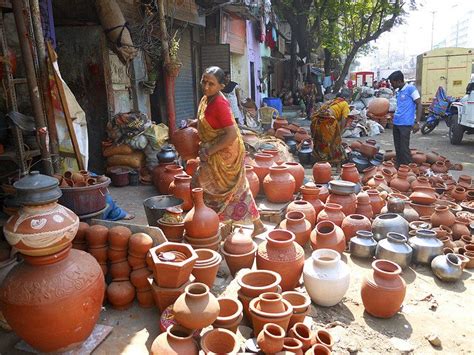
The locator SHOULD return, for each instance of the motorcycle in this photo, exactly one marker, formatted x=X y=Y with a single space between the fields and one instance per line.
x=440 y=109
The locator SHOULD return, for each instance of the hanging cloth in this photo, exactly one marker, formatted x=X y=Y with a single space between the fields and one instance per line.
x=269 y=41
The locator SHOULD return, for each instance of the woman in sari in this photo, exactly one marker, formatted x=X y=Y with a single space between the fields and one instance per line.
x=327 y=124
x=221 y=173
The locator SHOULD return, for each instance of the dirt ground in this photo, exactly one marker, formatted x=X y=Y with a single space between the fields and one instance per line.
x=443 y=311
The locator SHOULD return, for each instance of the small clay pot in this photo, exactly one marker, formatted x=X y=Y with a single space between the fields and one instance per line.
x=270 y=339
x=219 y=341
x=325 y=338
x=270 y=308
x=139 y=244
x=301 y=305
x=322 y=173
x=120 y=270
x=349 y=173
x=332 y=212
x=230 y=314
x=139 y=278
x=121 y=294
x=206 y=266
x=295 y=222
x=293 y=345
x=255 y=282
x=304 y=334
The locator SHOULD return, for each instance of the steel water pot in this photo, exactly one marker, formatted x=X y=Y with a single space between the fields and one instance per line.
x=426 y=246
x=395 y=248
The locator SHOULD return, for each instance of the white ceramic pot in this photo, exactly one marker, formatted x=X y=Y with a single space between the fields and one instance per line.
x=326 y=277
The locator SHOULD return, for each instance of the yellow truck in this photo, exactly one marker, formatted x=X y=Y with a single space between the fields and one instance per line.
x=452 y=68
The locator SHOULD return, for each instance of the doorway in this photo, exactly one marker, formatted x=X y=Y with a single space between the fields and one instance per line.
x=252 y=81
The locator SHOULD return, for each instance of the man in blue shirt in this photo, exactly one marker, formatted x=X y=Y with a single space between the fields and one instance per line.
x=407 y=116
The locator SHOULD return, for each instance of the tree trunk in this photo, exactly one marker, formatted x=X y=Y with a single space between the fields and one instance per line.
x=327 y=62
x=345 y=69
x=293 y=62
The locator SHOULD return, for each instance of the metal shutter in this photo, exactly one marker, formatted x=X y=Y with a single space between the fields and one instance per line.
x=216 y=54
x=184 y=86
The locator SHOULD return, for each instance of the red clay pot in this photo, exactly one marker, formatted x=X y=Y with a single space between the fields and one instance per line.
x=201 y=221
x=120 y=270
x=390 y=166
x=279 y=185
x=176 y=340
x=311 y=194
x=282 y=132
x=157 y=172
x=353 y=223
x=418 y=157
x=297 y=170
x=384 y=291
x=165 y=296
x=167 y=177
x=421 y=181
x=363 y=205
x=279 y=123
x=349 y=173
x=181 y=188
x=377 y=180
x=121 y=294
x=252 y=178
x=96 y=236
x=186 y=142
x=306 y=208
x=376 y=201
x=173 y=232
x=348 y=202
x=270 y=339
x=206 y=266
x=254 y=282
x=238 y=242
x=99 y=254
x=118 y=237
x=332 y=212
x=323 y=337
x=139 y=278
x=304 y=334
x=230 y=314
x=293 y=346
x=328 y=235
x=368 y=174
x=439 y=167
x=323 y=192
x=236 y=262
x=322 y=173
x=442 y=215
x=460 y=228
x=459 y=193
x=139 y=244
x=220 y=341
x=270 y=307
x=280 y=253
x=297 y=223
x=379 y=106
x=145 y=298
x=263 y=162
x=400 y=182
x=368 y=150
x=318 y=349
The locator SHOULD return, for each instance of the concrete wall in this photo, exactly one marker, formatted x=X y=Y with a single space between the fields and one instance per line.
x=240 y=73
x=253 y=54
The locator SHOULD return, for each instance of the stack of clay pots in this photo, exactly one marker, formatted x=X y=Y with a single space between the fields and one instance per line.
x=172 y=224
x=239 y=251
x=79 y=242
x=96 y=238
x=138 y=247
x=206 y=266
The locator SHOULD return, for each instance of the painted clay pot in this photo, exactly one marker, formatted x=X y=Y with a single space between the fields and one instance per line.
x=332 y=212
x=442 y=215
x=353 y=223
x=297 y=171
x=252 y=178
x=311 y=194
x=279 y=185
x=304 y=334
x=206 y=266
x=400 y=182
x=349 y=173
x=197 y=308
x=230 y=314
x=306 y=208
x=376 y=201
x=270 y=339
x=220 y=341
x=348 y=202
x=328 y=235
x=384 y=291
x=322 y=173
x=201 y=221
x=186 y=142
x=295 y=222
x=181 y=188
x=263 y=162
x=280 y=253
x=176 y=340
x=270 y=307
x=326 y=277
x=364 y=207
x=167 y=177
x=118 y=237
x=36 y=292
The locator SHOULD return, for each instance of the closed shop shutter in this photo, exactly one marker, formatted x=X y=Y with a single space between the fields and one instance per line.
x=184 y=86
x=216 y=54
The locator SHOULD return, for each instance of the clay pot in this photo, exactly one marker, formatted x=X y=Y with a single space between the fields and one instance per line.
x=186 y=142
x=332 y=212
x=36 y=292
x=197 y=308
x=384 y=291
x=139 y=278
x=363 y=205
x=442 y=215
x=293 y=346
x=302 y=135
x=236 y=262
x=270 y=339
x=279 y=185
x=145 y=298
x=96 y=236
x=120 y=270
x=167 y=177
x=460 y=228
x=348 y=202
x=378 y=106
x=295 y=222
x=353 y=223
x=324 y=338
x=173 y=232
x=165 y=296
x=439 y=167
x=369 y=173
x=280 y=253
x=318 y=349
x=238 y=242
x=349 y=173
x=139 y=244
x=81 y=232
x=422 y=198
x=297 y=170
x=181 y=188
x=263 y=162
x=432 y=157
x=252 y=178
x=459 y=193
x=279 y=123
x=220 y=341
x=255 y=282
x=201 y=221
x=121 y=294
x=421 y=181
x=368 y=150
x=376 y=201
x=322 y=173
x=418 y=158
x=376 y=180
x=157 y=172
x=306 y=208
x=206 y=266
x=323 y=192
x=118 y=237
x=400 y=182
x=176 y=340
x=328 y=235
x=311 y=194
x=282 y=132
x=230 y=314
x=301 y=303
x=390 y=166
x=423 y=210
x=270 y=307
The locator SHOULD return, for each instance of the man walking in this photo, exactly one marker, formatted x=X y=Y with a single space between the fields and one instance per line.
x=407 y=116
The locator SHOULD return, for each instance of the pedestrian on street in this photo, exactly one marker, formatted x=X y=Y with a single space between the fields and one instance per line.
x=232 y=93
x=407 y=116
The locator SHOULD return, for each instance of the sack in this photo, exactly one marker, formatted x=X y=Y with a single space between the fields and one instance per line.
x=121 y=149
x=134 y=160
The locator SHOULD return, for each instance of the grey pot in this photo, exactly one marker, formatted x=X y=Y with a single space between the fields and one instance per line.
x=426 y=246
x=395 y=248
x=363 y=245
x=389 y=222
x=447 y=267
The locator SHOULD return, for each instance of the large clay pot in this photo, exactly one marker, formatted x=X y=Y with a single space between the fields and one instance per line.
x=201 y=221
x=376 y=201
x=306 y=208
x=270 y=339
x=157 y=172
x=280 y=253
x=279 y=185
x=311 y=194
x=332 y=212
x=197 y=308
x=353 y=223
x=439 y=167
x=263 y=162
x=252 y=178
x=400 y=182
x=186 y=141
x=378 y=106
x=348 y=202
x=167 y=177
x=349 y=173
x=442 y=216
x=176 y=340
x=326 y=277
x=297 y=170
x=297 y=223
x=384 y=291
x=181 y=188
x=328 y=235
x=36 y=293
x=322 y=173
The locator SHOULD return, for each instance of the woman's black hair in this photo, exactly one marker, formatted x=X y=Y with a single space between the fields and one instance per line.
x=217 y=72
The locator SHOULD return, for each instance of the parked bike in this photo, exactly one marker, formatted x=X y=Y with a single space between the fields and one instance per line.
x=440 y=110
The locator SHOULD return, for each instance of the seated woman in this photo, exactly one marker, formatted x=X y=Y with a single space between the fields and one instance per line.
x=221 y=173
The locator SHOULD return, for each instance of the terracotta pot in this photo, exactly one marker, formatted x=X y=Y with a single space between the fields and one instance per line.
x=442 y=215
x=400 y=182
x=418 y=158
x=422 y=198
x=349 y=173
x=306 y=208
x=355 y=145
x=96 y=236
x=379 y=106
x=353 y=223
x=368 y=174
x=201 y=221
x=324 y=338
x=220 y=341
x=186 y=142
x=459 y=193
x=439 y=167
x=311 y=194
x=423 y=210
x=121 y=294
x=120 y=270
x=466 y=179
x=230 y=314
x=157 y=172
x=139 y=278
x=280 y=253
x=197 y=308
x=318 y=349
x=304 y=334
x=292 y=346
x=384 y=291
x=390 y=166
x=279 y=185
x=376 y=201
x=252 y=178
x=145 y=298
x=377 y=180
x=206 y=266
x=328 y=235
x=301 y=303
x=181 y=188
x=368 y=150
x=297 y=170
x=253 y=283
x=389 y=154
x=139 y=244
x=36 y=292
x=81 y=232
x=238 y=242
x=176 y=340
x=461 y=228
x=263 y=162
x=421 y=181
x=295 y=222
x=322 y=173
x=332 y=212
x=99 y=254
x=236 y=262
x=348 y=202
x=323 y=192
x=167 y=177
x=302 y=135
x=118 y=237
x=270 y=339
x=165 y=296
x=279 y=122
x=173 y=232
x=363 y=205
x=270 y=307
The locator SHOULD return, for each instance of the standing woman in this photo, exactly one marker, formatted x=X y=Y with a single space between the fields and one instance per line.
x=221 y=173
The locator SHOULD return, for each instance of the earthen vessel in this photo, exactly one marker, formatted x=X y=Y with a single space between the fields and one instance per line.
x=201 y=221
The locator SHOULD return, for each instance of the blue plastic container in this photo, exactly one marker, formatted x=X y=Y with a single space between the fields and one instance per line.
x=274 y=102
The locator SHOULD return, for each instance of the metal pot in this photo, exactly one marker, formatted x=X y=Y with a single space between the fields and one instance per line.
x=305 y=153
x=447 y=267
x=395 y=248
x=363 y=245
x=389 y=222
x=426 y=246
x=37 y=189
x=166 y=154
x=291 y=143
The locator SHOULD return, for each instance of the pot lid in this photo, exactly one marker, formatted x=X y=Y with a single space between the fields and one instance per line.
x=37 y=189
